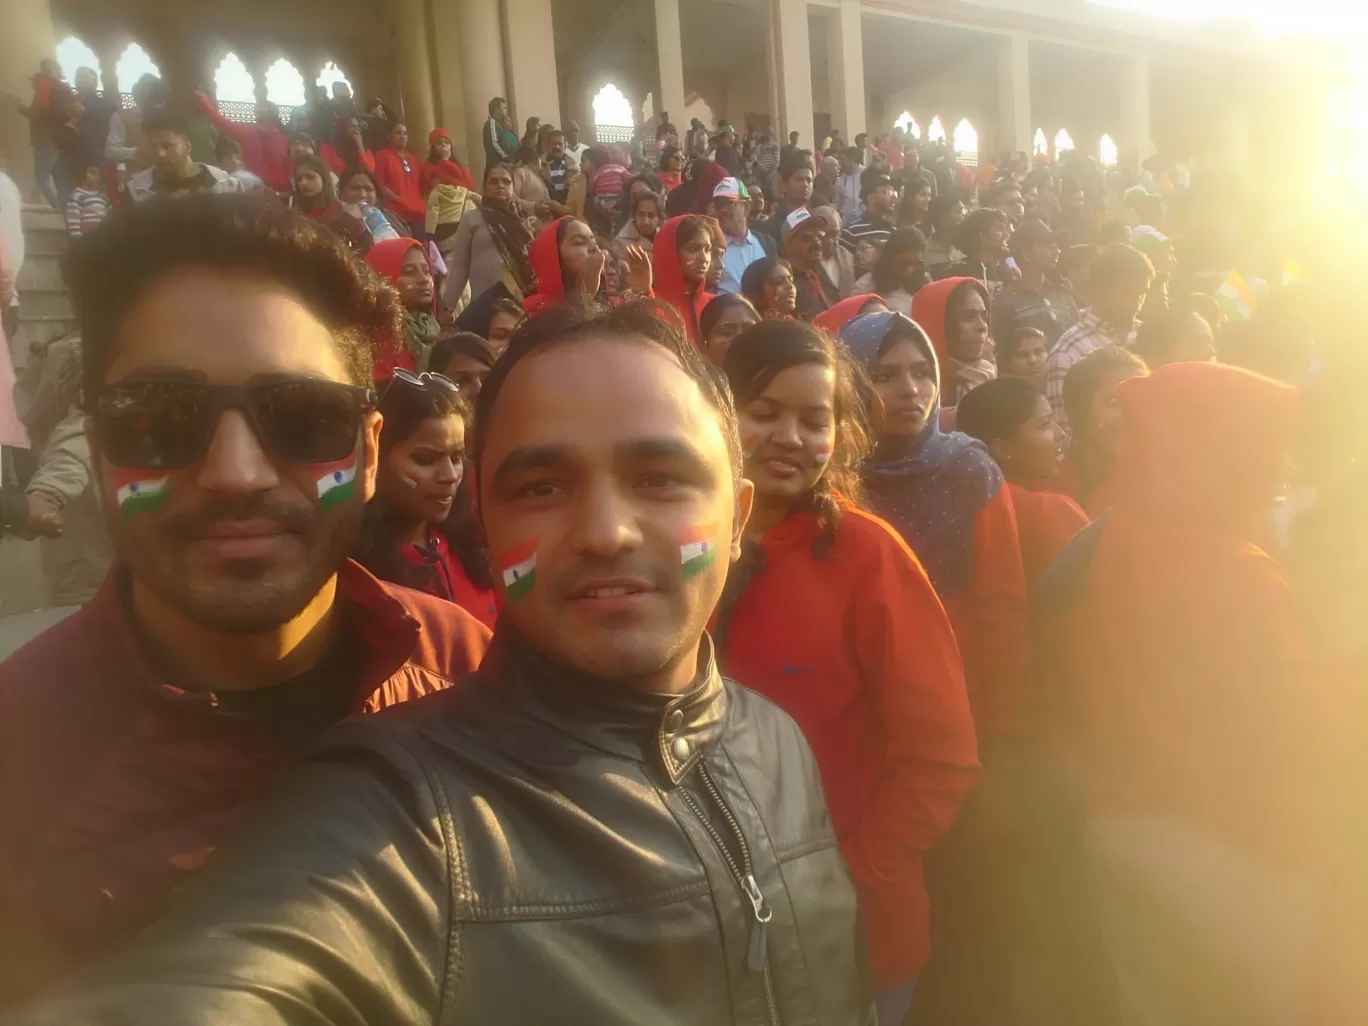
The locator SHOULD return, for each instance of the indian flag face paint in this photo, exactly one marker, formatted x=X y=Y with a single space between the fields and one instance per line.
x=518 y=568
x=697 y=549
x=822 y=455
x=140 y=491
x=409 y=483
x=336 y=482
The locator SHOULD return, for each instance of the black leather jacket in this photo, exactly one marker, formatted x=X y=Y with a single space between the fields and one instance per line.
x=529 y=847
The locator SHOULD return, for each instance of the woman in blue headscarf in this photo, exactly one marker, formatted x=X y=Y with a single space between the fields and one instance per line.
x=944 y=494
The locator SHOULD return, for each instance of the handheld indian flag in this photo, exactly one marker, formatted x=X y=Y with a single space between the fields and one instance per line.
x=518 y=568
x=697 y=550
x=138 y=491
x=1237 y=299
x=336 y=482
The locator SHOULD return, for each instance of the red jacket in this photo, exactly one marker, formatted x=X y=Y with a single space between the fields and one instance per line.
x=857 y=649
x=387 y=259
x=1046 y=521
x=115 y=785
x=327 y=153
x=437 y=571
x=669 y=283
x=392 y=175
x=265 y=148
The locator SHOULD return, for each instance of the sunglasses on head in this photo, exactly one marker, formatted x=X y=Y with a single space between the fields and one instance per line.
x=167 y=425
x=422 y=380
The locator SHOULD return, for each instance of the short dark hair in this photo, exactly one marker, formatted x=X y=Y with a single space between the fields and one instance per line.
x=164 y=119
x=753 y=279
x=226 y=146
x=851 y=153
x=717 y=307
x=110 y=269
x=903 y=240
x=464 y=342
x=495 y=102
x=997 y=408
x=1084 y=378
x=649 y=321
x=1119 y=262
x=801 y=161
x=555 y=132
x=351 y=171
x=1009 y=342
x=971 y=229
x=941 y=204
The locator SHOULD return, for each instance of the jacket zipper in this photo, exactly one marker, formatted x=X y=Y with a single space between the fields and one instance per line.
x=757 y=957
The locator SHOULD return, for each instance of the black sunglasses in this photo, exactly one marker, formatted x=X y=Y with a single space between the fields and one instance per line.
x=166 y=425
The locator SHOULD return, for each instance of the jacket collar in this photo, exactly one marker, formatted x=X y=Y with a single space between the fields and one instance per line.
x=669 y=732
x=387 y=632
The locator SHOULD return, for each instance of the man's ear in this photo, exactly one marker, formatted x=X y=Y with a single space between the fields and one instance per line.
x=745 y=500
x=370 y=456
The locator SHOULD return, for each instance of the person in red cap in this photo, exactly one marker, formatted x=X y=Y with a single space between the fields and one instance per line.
x=441 y=165
x=446 y=186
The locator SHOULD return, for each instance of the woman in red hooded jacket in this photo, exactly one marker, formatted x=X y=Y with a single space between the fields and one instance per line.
x=568 y=261
x=1212 y=745
x=681 y=252
x=833 y=320
x=404 y=264
x=955 y=314
x=830 y=615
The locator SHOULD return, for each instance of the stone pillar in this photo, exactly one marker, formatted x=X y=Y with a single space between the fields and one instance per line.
x=845 y=70
x=1135 y=144
x=772 y=72
x=415 y=71
x=794 y=71
x=533 y=90
x=1014 y=96
x=449 y=95
x=26 y=37
x=482 y=68
x=670 y=60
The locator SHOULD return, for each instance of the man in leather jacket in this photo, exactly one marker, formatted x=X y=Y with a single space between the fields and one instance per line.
x=596 y=827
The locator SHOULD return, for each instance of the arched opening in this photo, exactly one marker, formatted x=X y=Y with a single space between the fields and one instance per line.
x=284 y=87
x=935 y=132
x=966 y=143
x=1063 y=141
x=1040 y=146
x=613 y=121
x=234 y=90
x=1106 y=152
x=908 y=124
x=331 y=75
x=133 y=64
x=73 y=55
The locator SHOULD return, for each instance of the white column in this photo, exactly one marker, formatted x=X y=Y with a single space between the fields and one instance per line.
x=415 y=72
x=1015 y=131
x=1135 y=144
x=845 y=69
x=670 y=59
x=532 y=87
x=795 y=70
x=482 y=69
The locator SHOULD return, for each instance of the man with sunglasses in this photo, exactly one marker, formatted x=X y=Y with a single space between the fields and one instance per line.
x=227 y=361
x=594 y=828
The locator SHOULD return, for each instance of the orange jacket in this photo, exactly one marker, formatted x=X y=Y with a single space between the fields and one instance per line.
x=856 y=647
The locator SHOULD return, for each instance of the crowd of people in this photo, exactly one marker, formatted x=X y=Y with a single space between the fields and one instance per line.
x=818 y=585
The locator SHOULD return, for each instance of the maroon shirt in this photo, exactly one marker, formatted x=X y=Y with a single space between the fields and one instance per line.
x=115 y=784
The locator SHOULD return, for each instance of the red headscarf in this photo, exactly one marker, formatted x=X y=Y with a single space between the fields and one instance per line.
x=448 y=171
x=929 y=308
x=544 y=256
x=833 y=320
x=1200 y=703
x=387 y=259
x=669 y=277
x=708 y=178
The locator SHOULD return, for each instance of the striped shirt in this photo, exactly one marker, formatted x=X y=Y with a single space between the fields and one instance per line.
x=1090 y=334
x=871 y=227
x=85 y=210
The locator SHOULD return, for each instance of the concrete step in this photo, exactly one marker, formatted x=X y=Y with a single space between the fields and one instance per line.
x=39 y=303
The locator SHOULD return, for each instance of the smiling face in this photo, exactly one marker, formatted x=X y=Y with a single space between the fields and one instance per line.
x=788 y=432
x=905 y=382
x=803 y=246
x=781 y=294
x=602 y=460
x=419 y=476
x=241 y=542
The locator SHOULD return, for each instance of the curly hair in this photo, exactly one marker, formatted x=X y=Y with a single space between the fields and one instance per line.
x=109 y=271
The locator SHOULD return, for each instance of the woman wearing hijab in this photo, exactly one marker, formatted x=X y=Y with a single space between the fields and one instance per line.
x=833 y=320
x=1211 y=744
x=491 y=242
x=404 y=264
x=682 y=252
x=1013 y=419
x=347 y=147
x=829 y=615
x=946 y=497
x=955 y=315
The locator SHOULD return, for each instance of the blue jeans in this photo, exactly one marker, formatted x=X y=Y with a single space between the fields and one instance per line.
x=894 y=1003
x=44 y=161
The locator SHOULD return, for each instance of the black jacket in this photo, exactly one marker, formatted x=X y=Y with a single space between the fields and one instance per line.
x=529 y=847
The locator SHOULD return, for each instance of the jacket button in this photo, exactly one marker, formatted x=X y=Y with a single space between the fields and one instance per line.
x=679 y=748
x=674 y=721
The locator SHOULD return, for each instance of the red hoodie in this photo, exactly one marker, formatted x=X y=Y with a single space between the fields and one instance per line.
x=327 y=153
x=265 y=148
x=398 y=172
x=544 y=256
x=1046 y=522
x=833 y=320
x=446 y=171
x=386 y=258
x=1199 y=700
x=669 y=283
x=856 y=647
x=929 y=310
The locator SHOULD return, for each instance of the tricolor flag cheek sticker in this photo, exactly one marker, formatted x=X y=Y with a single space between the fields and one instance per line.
x=140 y=491
x=336 y=482
x=822 y=456
x=518 y=569
x=697 y=549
